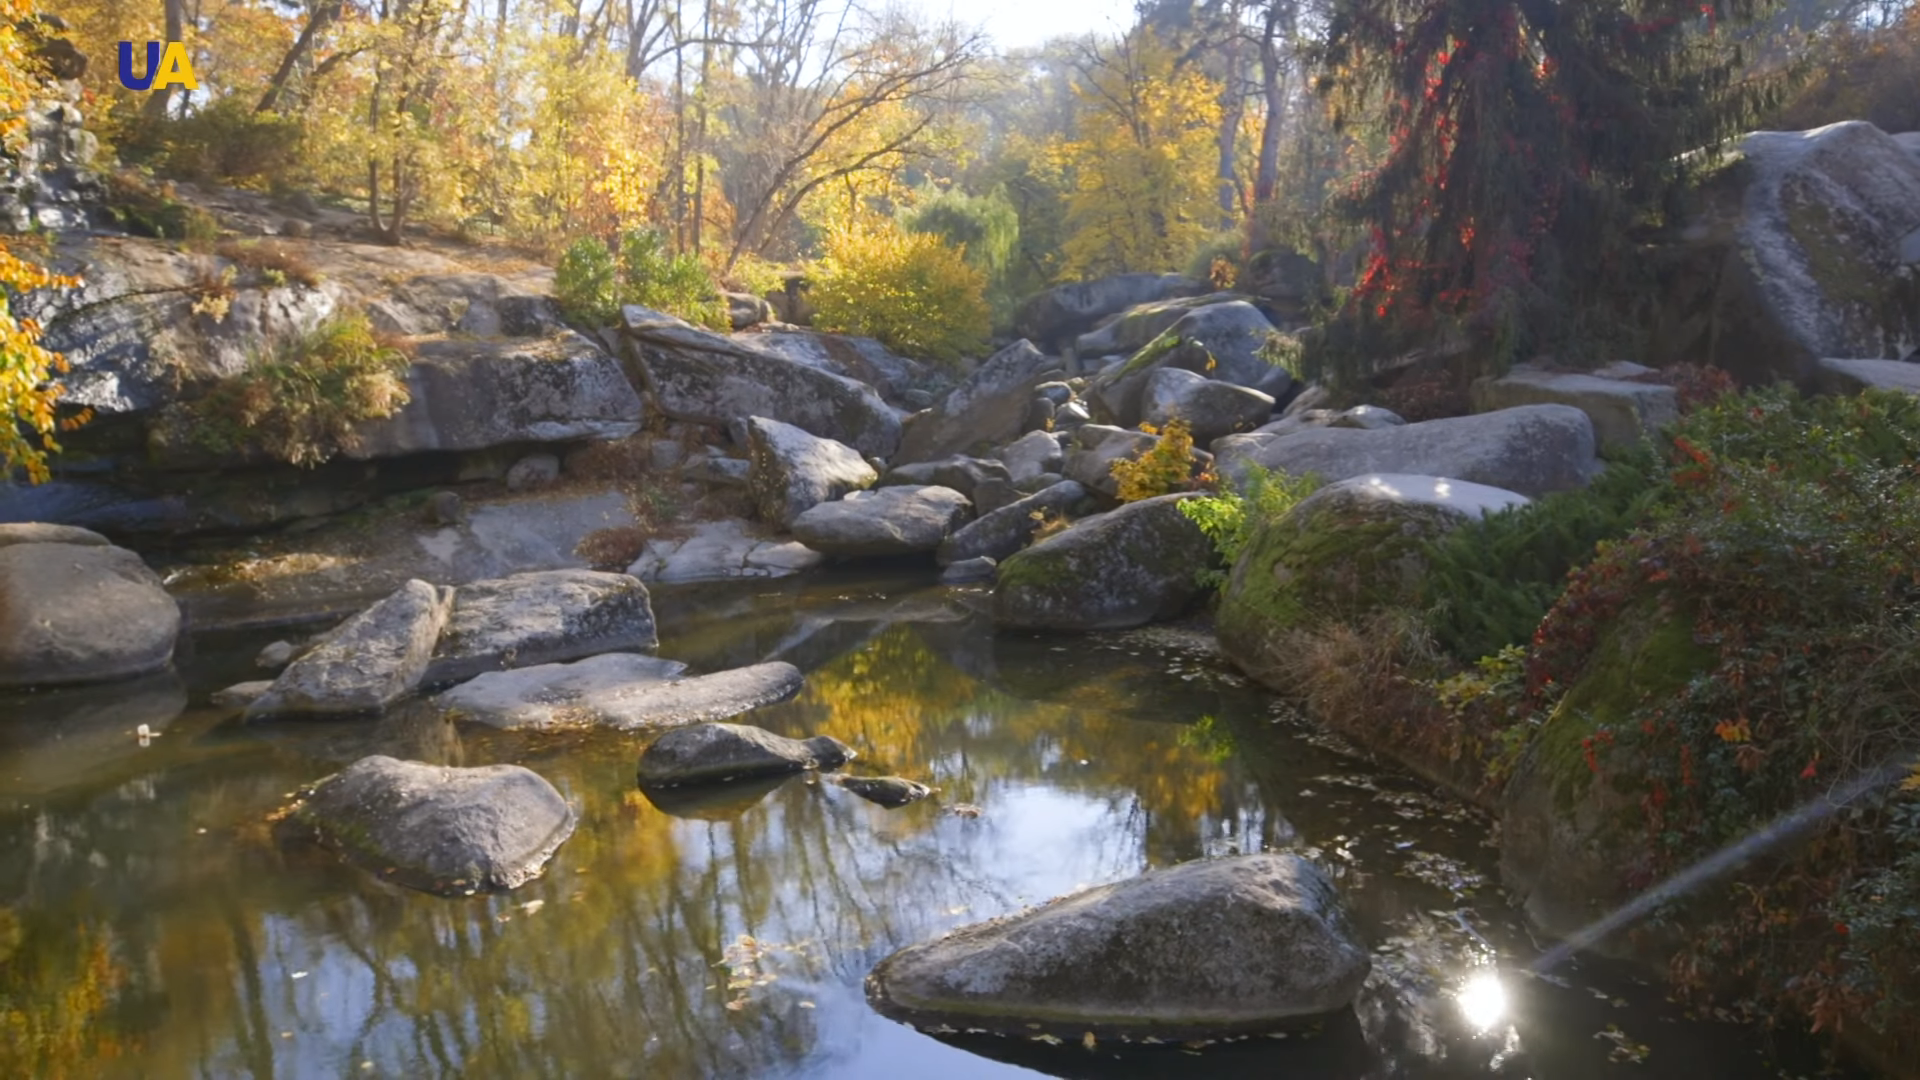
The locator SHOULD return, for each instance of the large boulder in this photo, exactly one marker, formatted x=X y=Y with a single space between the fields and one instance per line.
x=1250 y=943
x=1111 y=571
x=1345 y=550
x=79 y=612
x=1208 y=407
x=691 y=374
x=707 y=753
x=1124 y=334
x=1220 y=341
x=720 y=551
x=469 y=395
x=791 y=472
x=959 y=472
x=884 y=521
x=1811 y=250
x=441 y=830
x=986 y=410
x=541 y=618
x=366 y=664
x=1005 y=531
x=859 y=358
x=46 y=178
x=617 y=690
x=1623 y=411
x=1531 y=449
x=1031 y=455
x=1054 y=318
x=1573 y=839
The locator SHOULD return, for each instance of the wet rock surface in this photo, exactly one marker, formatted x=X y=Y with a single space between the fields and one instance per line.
x=79 y=612
x=541 y=618
x=1224 y=946
x=710 y=753
x=444 y=830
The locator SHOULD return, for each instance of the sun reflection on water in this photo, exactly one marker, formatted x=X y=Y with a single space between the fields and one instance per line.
x=1483 y=1000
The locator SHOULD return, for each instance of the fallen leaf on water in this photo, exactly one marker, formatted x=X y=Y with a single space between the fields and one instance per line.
x=1050 y=1040
x=1088 y=1041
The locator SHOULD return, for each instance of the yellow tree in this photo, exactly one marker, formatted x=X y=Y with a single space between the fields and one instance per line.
x=1144 y=189
x=27 y=397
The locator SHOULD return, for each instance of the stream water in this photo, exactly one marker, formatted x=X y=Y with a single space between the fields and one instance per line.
x=149 y=926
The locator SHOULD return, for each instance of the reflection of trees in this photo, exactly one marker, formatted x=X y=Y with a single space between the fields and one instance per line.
x=1087 y=765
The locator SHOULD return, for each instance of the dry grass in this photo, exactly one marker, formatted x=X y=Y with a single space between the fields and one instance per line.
x=270 y=259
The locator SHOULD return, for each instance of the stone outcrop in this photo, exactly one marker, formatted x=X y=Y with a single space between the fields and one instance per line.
x=986 y=410
x=367 y=663
x=1623 y=411
x=1054 y=318
x=884 y=521
x=540 y=618
x=693 y=375
x=721 y=551
x=617 y=690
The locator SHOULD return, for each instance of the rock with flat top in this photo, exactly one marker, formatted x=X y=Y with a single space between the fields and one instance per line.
x=369 y=662
x=709 y=753
x=541 y=618
x=790 y=471
x=884 y=521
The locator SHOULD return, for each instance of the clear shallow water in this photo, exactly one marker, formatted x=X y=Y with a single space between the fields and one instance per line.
x=149 y=927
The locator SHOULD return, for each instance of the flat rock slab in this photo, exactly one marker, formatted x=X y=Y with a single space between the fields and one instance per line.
x=441 y=830
x=710 y=753
x=552 y=695
x=884 y=521
x=1252 y=943
x=541 y=618
x=1532 y=449
x=80 y=613
x=1005 y=531
x=987 y=409
x=1853 y=376
x=618 y=690
x=721 y=551
x=1623 y=412
x=35 y=532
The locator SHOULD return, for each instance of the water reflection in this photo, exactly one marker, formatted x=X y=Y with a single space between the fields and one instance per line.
x=148 y=926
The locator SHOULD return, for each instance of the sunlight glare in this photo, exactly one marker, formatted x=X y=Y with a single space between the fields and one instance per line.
x=1483 y=1000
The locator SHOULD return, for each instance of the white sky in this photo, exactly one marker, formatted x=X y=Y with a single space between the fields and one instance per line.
x=1015 y=24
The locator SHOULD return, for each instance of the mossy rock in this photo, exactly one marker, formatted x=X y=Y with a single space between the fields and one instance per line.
x=1572 y=833
x=1112 y=571
x=1348 y=550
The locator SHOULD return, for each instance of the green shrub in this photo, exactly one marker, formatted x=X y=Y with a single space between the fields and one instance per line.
x=591 y=284
x=1229 y=517
x=1489 y=583
x=302 y=402
x=228 y=142
x=585 y=282
x=146 y=207
x=1165 y=467
x=676 y=284
x=1787 y=551
x=911 y=291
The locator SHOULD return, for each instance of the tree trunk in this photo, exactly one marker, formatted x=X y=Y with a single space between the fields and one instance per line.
x=158 y=101
x=323 y=14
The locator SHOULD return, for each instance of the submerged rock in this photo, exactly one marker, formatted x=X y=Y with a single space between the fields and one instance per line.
x=441 y=830
x=706 y=753
x=240 y=695
x=369 y=662
x=618 y=690
x=891 y=792
x=1532 y=449
x=884 y=521
x=790 y=472
x=541 y=618
x=1246 y=944
x=80 y=612
x=1108 y=572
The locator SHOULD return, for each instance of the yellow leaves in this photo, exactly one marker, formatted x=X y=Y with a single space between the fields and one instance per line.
x=26 y=396
x=1912 y=782
x=910 y=290
x=1166 y=467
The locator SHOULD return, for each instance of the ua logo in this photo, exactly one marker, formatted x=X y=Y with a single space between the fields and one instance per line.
x=173 y=68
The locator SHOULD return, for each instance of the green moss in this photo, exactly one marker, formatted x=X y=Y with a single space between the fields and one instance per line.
x=1648 y=654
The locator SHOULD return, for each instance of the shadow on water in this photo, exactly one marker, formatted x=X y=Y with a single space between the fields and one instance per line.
x=150 y=927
